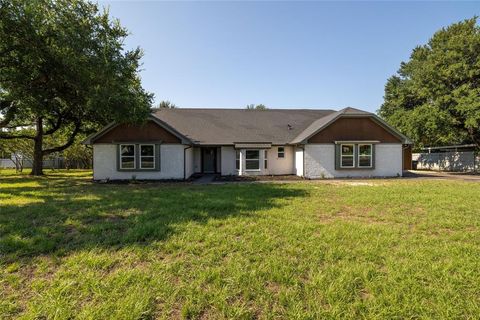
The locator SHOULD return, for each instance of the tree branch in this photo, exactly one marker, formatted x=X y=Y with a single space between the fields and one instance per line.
x=4 y=135
x=54 y=127
x=70 y=141
x=10 y=114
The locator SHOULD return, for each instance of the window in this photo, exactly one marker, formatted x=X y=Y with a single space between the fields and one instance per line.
x=252 y=160
x=281 y=152
x=127 y=156
x=265 y=159
x=364 y=155
x=237 y=160
x=347 y=158
x=147 y=156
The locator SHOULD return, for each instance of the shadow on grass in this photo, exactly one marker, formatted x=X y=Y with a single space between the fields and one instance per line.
x=59 y=214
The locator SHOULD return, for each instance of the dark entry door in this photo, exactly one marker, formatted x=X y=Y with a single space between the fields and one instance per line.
x=209 y=160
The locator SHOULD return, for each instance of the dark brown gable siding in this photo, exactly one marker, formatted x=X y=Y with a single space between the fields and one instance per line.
x=344 y=129
x=146 y=133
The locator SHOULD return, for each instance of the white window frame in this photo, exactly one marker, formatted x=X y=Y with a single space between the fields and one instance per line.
x=247 y=159
x=134 y=156
x=370 y=155
x=140 y=156
x=281 y=152
x=353 y=155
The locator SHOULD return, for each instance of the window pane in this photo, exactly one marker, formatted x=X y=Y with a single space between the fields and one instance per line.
x=128 y=163
x=252 y=164
x=146 y=150
x=347 y=161
x=127 y=150
x=365 y=149
x=281 y=152
x=252 y=154
x=147 y=162
x=365 y=161
x=347 y=149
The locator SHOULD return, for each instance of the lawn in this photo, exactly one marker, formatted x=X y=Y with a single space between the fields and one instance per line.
x=70 y=248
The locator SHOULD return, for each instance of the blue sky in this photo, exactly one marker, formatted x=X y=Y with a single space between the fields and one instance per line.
x=282 y=54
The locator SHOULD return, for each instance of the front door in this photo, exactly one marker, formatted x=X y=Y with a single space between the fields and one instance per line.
x=209 y=160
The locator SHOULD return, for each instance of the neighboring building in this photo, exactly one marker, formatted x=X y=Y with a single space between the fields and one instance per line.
x=460 y=158
x=176 y=143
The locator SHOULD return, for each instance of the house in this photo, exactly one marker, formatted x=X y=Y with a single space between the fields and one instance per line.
x=176 y=143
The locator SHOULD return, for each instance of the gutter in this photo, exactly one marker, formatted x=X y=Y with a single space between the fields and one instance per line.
x=185 y=162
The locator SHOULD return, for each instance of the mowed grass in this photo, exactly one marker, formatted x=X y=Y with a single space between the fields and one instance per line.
x=73 y=249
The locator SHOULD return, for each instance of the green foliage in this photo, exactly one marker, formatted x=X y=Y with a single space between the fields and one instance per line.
x=385 y=249
x=63 y=66
x=256 y=107
x=165 y=104
x=435 y=97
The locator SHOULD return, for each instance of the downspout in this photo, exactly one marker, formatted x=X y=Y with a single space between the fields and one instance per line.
x=185 y=162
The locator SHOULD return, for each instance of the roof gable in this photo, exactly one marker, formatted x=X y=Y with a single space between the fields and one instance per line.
x=348 y=128
x=153 y=130
x=323 y=123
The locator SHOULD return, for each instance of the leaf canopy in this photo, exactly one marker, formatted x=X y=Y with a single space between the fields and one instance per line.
x=435 y=96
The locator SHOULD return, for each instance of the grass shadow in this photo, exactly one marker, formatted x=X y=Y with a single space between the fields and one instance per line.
x=58 y=214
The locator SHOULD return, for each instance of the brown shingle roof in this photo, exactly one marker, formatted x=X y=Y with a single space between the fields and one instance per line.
x=229 y=126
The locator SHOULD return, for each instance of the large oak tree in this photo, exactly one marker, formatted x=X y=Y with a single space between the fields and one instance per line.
x=435 y=97
x=63 y=67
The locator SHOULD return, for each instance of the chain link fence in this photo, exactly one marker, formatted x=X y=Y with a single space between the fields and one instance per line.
x=56 y=163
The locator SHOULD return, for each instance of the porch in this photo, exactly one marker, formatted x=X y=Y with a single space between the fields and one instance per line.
x=244 y=159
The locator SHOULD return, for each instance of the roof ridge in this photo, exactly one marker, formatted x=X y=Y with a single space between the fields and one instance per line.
x=243 y=109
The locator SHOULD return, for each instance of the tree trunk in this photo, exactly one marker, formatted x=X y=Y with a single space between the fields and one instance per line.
x=37 y=168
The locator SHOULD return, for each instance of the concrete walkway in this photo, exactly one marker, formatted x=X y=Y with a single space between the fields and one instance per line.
x=204 y=179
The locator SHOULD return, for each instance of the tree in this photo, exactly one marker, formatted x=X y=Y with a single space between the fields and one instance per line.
x=165 y=104
x=435 y=96
x=63 y=67
x=256 y=107
x=17 y=150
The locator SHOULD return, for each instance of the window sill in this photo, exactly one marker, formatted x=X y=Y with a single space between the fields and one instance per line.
x=137 y=170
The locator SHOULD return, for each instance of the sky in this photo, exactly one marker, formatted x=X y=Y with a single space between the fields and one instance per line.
x=326 y=55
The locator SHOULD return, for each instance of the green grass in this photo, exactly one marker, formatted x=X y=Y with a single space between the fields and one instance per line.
x=70 y=248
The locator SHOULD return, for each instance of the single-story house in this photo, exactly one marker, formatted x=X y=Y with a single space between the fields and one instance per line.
x=177 y=143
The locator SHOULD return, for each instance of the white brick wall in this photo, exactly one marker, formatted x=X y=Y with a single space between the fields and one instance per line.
x=320 y=162
x=105 y=164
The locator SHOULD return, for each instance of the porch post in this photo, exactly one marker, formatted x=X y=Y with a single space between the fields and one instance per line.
x=240 y=160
